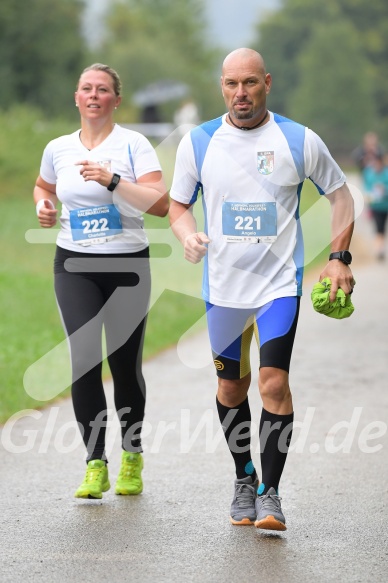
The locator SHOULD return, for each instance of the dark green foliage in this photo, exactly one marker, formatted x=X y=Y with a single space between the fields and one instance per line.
x=328 y=61
x=336 y=101
x=153 y=39
x=41 y=53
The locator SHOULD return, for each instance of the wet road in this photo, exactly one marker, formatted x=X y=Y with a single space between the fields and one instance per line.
x=334 y=487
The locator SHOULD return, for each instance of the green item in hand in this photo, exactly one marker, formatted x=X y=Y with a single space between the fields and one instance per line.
x=342 y=306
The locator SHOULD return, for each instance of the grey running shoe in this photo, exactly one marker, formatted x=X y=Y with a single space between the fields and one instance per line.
x=269 y=512
x=242 y=510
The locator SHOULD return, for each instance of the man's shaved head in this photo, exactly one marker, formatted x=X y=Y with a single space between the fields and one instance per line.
x=245 y=86
x=243 y=56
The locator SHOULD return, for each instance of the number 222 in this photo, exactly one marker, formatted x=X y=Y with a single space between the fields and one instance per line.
x=95 y=225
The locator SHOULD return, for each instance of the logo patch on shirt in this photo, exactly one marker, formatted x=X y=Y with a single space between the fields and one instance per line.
x=265 y=162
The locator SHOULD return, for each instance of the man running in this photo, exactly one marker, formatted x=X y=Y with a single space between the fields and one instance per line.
x=250 y=164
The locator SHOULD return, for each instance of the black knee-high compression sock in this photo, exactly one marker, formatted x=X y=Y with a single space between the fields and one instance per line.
x=275 y=437
x=238 y=437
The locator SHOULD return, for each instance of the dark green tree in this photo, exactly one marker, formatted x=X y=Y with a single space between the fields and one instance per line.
x=371 y=22
x=41 y=53
x=149 y=40
x=286 y=39
x=282 y=37
x=334 y=95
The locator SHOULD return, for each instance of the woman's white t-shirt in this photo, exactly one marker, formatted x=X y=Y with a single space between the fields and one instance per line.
x=125 y=152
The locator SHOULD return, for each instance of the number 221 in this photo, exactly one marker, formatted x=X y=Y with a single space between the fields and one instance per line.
x=246 y=223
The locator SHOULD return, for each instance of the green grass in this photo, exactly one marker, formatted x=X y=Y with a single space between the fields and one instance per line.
x=29 y=322
x=30 y=326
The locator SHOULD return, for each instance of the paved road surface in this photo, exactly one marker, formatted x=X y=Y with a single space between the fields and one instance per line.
x=334 y=488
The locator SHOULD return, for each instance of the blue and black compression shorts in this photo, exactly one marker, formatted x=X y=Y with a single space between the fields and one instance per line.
x=231 y=331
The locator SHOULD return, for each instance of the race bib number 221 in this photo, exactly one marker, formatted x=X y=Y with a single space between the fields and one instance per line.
x=249 y=222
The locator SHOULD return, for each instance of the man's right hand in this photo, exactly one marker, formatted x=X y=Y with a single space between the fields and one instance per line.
x=195 y=247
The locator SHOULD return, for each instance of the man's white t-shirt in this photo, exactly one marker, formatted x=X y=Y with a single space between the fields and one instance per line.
x=126 y=153
x=251 y=183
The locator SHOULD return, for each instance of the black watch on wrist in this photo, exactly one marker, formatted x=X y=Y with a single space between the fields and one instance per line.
x=114 y=183
x=344 y=256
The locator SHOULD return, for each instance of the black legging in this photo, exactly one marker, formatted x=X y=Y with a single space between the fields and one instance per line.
x=380 y=220
x=111 y=291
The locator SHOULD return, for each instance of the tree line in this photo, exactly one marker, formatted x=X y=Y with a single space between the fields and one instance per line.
x=328 y=59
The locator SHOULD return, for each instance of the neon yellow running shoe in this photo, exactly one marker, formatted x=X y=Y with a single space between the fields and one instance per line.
x=129 y=480
x=96 y=480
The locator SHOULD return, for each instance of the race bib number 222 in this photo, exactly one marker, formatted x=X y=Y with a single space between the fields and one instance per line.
x=94 y=225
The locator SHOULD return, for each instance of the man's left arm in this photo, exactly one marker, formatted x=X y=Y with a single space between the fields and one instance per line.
x=342 y=224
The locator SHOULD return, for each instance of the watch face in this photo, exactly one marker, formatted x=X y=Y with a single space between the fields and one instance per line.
x=347 y=257
x=344 y=256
